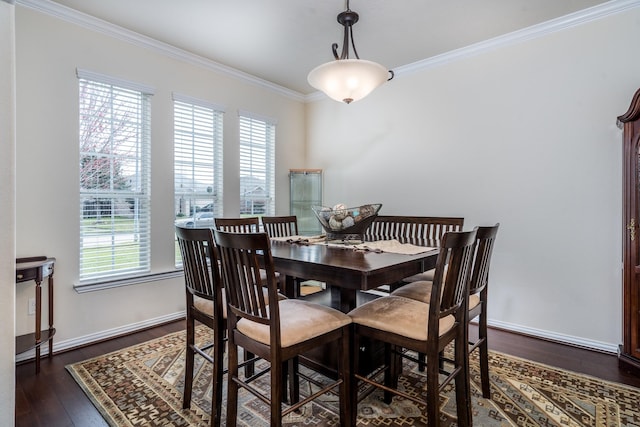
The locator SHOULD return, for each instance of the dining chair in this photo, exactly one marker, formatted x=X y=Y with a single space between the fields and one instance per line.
x=205 y=304
x=284 y=226
x=404 y=324
x=244 y=225
x=279 y=332
x=413 y=229
x=478 y=291
x=428 y=229
x=237 y=225
x=280 y=226
x=419 y=230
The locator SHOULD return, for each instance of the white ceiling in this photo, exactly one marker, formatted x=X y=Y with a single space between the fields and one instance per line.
x=282 y=40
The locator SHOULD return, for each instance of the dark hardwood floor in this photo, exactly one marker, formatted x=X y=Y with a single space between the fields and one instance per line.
x=53 y=399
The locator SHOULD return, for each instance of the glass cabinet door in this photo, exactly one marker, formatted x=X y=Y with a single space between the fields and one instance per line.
x=306 y=191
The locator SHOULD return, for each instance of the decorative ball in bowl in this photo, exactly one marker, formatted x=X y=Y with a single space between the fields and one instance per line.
x=343 y=223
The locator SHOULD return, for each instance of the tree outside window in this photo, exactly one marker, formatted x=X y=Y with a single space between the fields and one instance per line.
x=114 y=180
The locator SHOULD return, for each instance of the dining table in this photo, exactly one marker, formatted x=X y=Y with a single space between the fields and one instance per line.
x=346 y=268
x=348 y=271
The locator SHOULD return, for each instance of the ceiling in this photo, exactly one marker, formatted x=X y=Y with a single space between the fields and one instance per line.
x=282 y=40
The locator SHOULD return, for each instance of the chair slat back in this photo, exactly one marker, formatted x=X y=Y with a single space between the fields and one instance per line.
x=416 y=228
x=450 y=290
x=240 y=256
x=280 y=226
x=485 y=239
x=198 y=253
x=237 y=225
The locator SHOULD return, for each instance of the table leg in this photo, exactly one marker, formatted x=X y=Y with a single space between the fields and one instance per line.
x=291 y=288
x=342 y=299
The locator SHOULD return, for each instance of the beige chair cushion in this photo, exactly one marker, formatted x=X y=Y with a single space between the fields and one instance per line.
x=421 y=291
x=299 y=321
x=206 y=306
x=398 y=315
x=474 y=300
x=424 y=276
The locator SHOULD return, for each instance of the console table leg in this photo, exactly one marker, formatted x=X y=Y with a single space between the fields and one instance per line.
x=51 y=314
x=38 y=324
x=36 y=269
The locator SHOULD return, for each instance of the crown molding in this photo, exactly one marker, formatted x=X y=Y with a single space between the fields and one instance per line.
x=535 y=31
x=92 y=23
x=568 y=21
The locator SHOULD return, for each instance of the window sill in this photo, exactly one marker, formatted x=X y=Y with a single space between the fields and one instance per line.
x=109 y=284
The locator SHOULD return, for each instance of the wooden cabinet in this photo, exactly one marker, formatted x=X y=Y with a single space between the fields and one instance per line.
x=37 y=269
x=629 y=354
x=306 y=191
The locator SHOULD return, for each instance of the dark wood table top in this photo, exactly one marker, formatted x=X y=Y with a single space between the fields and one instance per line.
x=347 y=269
x=34 y=268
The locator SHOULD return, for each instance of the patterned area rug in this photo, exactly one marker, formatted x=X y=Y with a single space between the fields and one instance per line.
x=142 y=385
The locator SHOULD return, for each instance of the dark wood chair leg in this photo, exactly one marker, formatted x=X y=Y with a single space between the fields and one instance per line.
x=290 y=370
x=354 y=355
x=345 y=376
x=433 y=395
x=232 y=386
x=484 y=355
x=462 y=385
x=249 y=368
x=422 y=362
x=216 y=394
x=393 y=371
x=276 y=392
x=188 y=366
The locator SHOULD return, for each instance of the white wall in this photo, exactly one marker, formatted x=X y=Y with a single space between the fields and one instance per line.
x=7 y=201
x=48 y=51
x=524 y=135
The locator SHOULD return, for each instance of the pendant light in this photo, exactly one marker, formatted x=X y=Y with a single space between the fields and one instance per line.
x=347 y=80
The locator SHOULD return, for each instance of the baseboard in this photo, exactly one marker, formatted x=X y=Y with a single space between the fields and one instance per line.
x=60 y=346
x=553 y=336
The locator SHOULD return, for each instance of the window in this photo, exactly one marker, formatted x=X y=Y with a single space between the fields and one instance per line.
x=257 y=165
x=114 y=178
x=197 y=163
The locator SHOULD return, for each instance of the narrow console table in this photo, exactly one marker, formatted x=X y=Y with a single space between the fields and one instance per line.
x=37 y=269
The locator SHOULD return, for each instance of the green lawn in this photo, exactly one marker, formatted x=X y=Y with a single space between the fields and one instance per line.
x=101 y=257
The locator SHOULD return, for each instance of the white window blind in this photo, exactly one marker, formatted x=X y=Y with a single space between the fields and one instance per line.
x=114 y=180
x=257 y=165
x=197 y=156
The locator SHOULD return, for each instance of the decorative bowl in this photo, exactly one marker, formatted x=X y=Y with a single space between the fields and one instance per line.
x=342 y=223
